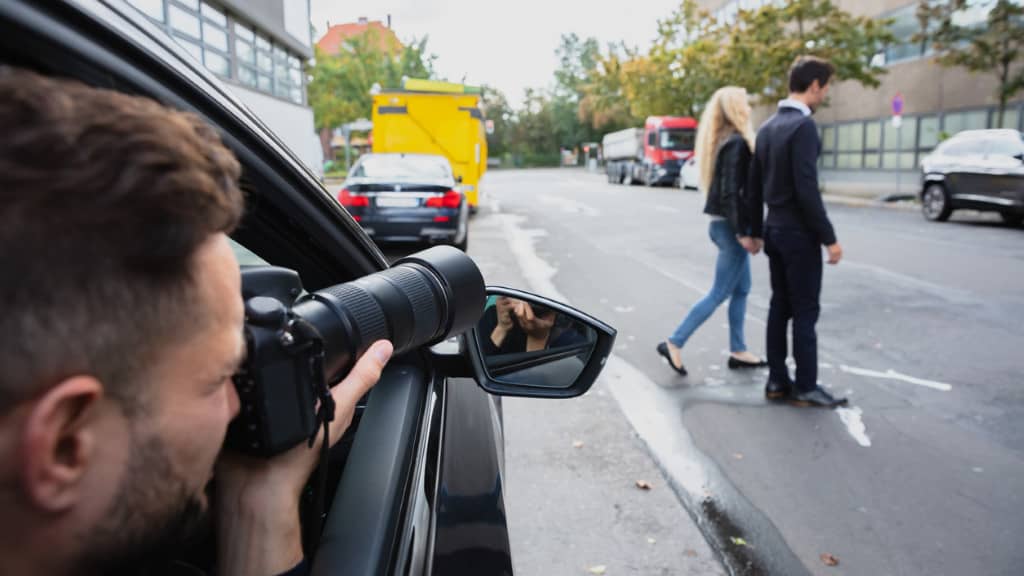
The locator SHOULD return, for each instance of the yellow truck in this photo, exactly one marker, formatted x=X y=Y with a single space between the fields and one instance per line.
x=428 y=117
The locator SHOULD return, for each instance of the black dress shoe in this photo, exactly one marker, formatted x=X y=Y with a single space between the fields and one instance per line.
x=818 y=398
x=777 y=390
x=735 y=363
x=662 y=349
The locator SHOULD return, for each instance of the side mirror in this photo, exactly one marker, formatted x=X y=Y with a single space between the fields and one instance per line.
x=526 y=345
x=1019 y=156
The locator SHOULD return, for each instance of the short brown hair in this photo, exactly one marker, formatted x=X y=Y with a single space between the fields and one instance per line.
x=104 y=200
x=806 y=69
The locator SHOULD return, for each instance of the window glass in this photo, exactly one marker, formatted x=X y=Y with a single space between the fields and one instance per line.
x=295 y=77
x=246 y=75
x=1004 y=146
x=152 y=8
x=262 y=43
x=194 y=49
x=905 y=25
x=193 y=4
x=245 y=52
x=848 y=161
x=214 y=36
x=851 y=137
x=828 y=138
x=891 y=160
x=264 y=63
x=402 y=167
x=217 y=63
x=214 y=14
x=280 y=89
x=1011 y=117
x=828 y=160
x=872 y=160
x=265 y=83
x=295 y=95
x=183 y=21
x=902 y=137
x=244 y=32
x=959 y=121
x=873 y=135
x=677 y=139
x=929 y=132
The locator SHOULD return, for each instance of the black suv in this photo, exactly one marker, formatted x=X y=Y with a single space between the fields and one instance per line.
x=417 y=483
x=978 y=170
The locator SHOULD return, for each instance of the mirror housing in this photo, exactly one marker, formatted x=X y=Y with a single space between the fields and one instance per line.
x=565 y=370
x=458 y=179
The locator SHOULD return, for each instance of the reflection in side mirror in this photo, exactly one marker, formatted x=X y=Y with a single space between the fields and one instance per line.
x=526 y=345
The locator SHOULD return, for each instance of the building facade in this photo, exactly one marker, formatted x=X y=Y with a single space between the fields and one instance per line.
x=258 y=48
x=857 y=132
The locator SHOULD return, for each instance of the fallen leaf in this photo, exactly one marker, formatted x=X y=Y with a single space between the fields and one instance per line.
x=829 y=560
x=598 y=569
x=739 y=541
x=738 y=456
x=577 y=444
x=651 y=541
x=643 y=485
x=691 y=553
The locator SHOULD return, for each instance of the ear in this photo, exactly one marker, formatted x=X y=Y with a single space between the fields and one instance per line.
x=58 y=443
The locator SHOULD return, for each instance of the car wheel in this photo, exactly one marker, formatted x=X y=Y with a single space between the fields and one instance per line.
x=1012 y=219
x=935 y=203
x=627 y=179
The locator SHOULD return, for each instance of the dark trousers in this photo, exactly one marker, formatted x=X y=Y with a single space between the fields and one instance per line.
x=795 y=260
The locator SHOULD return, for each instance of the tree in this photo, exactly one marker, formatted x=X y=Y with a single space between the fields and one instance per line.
x=762 y=44
x=339 y=91
x=995 y=45
x=499 y=112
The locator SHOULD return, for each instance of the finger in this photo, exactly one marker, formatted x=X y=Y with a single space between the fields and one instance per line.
x=363 y=376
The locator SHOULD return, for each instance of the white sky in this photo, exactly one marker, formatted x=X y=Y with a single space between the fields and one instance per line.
x=508 y=44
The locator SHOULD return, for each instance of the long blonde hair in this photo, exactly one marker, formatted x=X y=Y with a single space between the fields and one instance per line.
x=728 y=111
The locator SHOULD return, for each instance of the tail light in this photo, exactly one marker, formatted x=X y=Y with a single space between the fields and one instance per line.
x=350 y=200
x=451 y=199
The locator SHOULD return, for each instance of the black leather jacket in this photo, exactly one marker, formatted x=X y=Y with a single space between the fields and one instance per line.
x=725 y=196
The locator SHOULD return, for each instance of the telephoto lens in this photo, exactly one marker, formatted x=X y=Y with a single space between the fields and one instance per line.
x=421 y=300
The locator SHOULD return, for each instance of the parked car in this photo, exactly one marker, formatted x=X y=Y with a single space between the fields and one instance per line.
x=417 y=484
x=407 y=198
x=977 y=170
x=689 y=174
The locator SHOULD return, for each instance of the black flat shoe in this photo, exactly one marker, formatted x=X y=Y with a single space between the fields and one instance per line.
x=817 y=398
x=662 y=349
x=777 y=390
x=736 y=363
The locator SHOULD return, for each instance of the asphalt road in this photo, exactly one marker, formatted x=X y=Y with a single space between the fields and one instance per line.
x=922 y=327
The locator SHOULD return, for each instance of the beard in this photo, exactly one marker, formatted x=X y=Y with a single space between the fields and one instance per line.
x=154 y=519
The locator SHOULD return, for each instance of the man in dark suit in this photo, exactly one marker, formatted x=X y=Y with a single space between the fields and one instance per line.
x=784 y=176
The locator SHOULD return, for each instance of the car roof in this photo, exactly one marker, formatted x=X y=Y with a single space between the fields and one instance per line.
x=405 y=155
x=988 y=133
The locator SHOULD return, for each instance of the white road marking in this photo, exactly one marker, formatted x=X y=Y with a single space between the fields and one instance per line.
x=570 y=206
x=668 y=209
x=852 y=419
x=894 y=375
x=536 y=271
x=623 y=309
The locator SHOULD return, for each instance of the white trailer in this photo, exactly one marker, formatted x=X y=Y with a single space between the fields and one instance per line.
x=623 y=152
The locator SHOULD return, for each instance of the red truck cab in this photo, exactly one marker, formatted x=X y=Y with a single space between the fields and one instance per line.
x=668 y=143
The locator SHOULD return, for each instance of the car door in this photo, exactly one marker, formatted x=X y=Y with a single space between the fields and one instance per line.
x=1004 y=164
x=963 y=163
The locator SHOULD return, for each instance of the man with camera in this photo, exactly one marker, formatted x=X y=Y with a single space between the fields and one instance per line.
x=122 y=330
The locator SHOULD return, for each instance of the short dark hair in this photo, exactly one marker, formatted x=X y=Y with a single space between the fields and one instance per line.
x=105 y=199
x=806 y=69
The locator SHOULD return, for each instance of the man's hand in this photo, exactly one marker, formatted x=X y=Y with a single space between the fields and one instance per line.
x=505 y=307
x=835 y=253
x=533 y=325
x=259 y=531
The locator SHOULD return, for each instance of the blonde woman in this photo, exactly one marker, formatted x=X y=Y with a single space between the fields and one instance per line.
x=725 y=141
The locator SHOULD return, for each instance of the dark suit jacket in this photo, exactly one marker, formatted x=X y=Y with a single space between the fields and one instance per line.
x=784 y=175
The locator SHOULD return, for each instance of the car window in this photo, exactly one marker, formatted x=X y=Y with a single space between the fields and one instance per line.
x=1005 y=146
x=402 y=167
x=245 y=256
x=961 y=147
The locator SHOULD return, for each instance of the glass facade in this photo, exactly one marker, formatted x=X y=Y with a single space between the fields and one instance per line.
x=877 y=144
x=228 y=47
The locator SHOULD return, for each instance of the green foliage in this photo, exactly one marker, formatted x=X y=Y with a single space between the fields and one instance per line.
x=995 y=46
x=339 y=89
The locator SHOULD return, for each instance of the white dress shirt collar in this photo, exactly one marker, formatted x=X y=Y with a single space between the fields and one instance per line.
x=790 y=103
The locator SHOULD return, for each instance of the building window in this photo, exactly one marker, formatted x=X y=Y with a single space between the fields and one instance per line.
x=899 y=145
x=905 y=25
x=929 y=132
x=1011 y=118
x=959 y=121
x=227 y=47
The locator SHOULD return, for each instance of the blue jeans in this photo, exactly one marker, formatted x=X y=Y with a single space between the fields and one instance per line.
x=732 y=281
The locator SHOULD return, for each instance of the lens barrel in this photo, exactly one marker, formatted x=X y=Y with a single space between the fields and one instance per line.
x=421 y=300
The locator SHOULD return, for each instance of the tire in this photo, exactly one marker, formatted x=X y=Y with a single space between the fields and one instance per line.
x=1012 y=219
x=935 y=204
x=627 y=179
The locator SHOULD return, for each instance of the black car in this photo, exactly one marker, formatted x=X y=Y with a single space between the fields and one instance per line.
x=977 y=170
x=407 y=198
x=417 y=484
